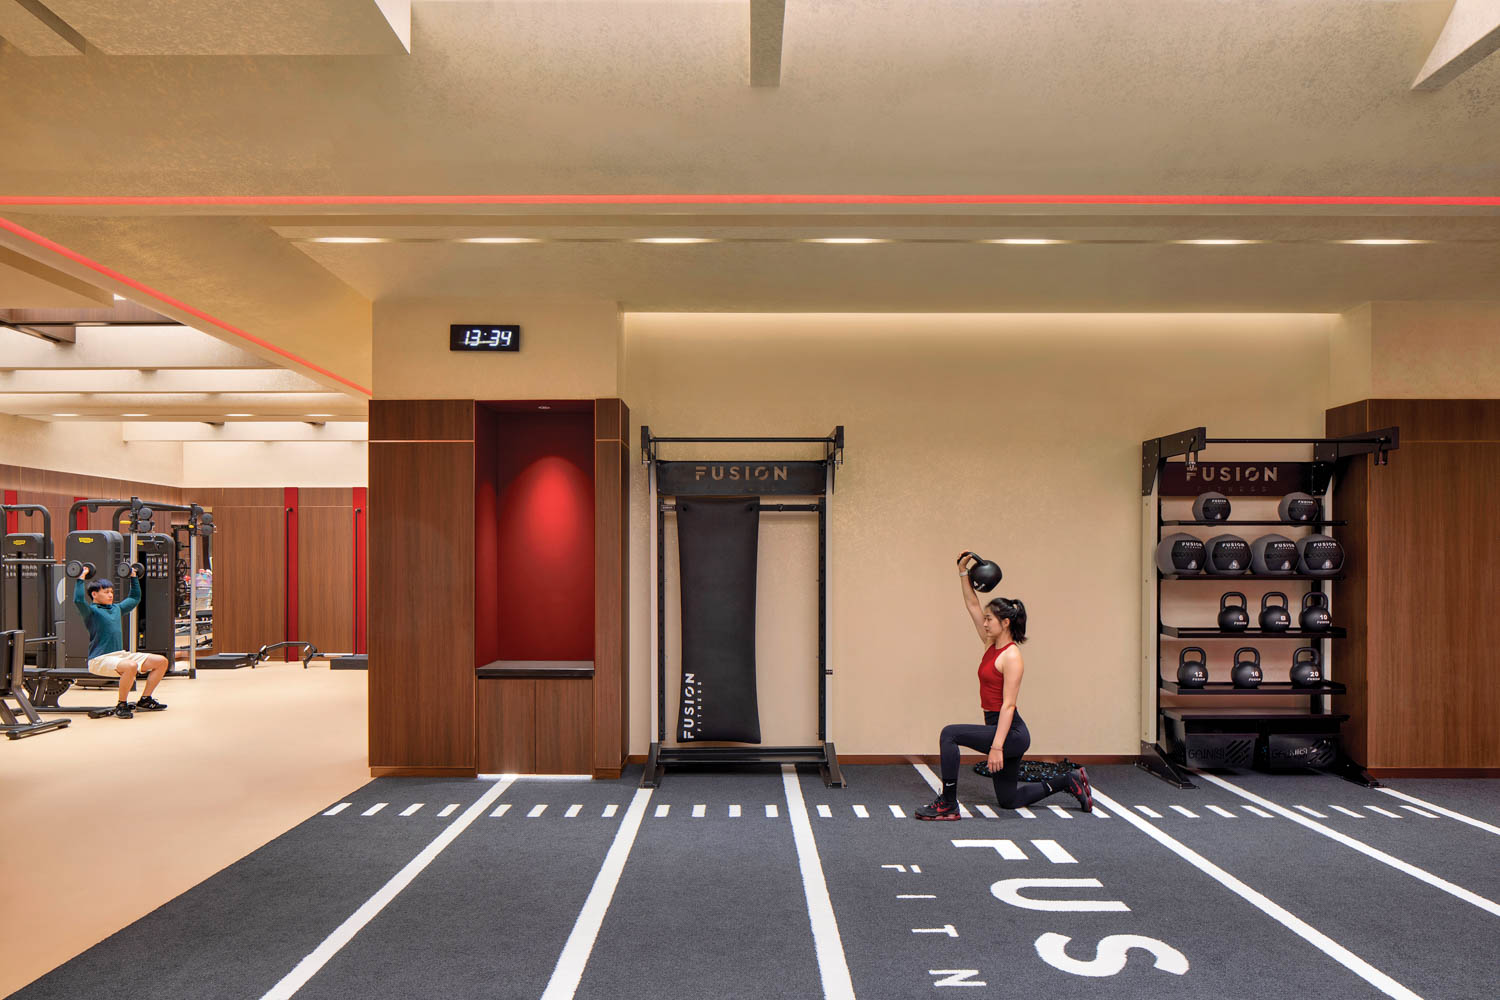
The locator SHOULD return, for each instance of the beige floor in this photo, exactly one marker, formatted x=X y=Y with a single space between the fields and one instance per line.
x=240 y=757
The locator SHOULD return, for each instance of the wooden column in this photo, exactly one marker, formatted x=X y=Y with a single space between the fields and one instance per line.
x=612 y=587
x=1424 y=547
x=421 y=587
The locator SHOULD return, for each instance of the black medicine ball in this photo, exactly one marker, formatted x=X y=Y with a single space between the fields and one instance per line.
x=1226 y=555
x=1180 y=554
x=1273 y=555
x=1319 y=555
x=1296 y=507
x=1211 y=507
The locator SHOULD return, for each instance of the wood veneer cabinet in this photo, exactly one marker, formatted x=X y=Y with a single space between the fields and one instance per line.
x=1424 y=541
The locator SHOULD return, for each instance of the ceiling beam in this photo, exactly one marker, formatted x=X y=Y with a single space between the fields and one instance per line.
x=239 y=430
x=181 y=405
x=137 y=381
x=1471 y=34
x=96 y=347
x=767 y=19
x=36 y=31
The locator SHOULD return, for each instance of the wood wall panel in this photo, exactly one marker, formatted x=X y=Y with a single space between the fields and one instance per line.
x=325 y=566
x=249 y=564
x=611 y=608
x=565 y=726
x=1350 y=597
x=422 y=420
x=1438 y=419
x=421 y=604
x=506 y=720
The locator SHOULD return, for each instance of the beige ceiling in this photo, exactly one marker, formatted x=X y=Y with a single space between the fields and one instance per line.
x=1071 y=97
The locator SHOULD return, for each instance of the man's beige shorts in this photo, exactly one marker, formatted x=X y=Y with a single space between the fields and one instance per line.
x=109 y=664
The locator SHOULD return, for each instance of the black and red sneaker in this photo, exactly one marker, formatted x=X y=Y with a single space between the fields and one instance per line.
x=938 y=810
x=1078 y=786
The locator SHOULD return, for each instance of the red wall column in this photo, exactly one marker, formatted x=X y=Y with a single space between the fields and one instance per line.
x=12 y=519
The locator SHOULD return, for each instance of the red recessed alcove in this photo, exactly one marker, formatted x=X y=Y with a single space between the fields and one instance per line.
x=534 y=533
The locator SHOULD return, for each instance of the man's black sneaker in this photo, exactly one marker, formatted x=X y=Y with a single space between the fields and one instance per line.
x=122 y=711
x=149 y=704
x=938 y=810
x=1078 y=786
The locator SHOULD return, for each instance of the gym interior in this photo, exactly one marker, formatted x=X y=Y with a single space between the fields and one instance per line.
x=532 y=445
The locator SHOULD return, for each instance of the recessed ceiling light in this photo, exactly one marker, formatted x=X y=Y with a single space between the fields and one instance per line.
x=119 y=297
x=1382 y=243
x=1026 y=242
x=320 y=414
x=1216 y=243
x=65 y=414
x=499 y=239
x=847 y=239
x=349 y=239
x=239 y=414
x=674 y=239
x=135 y=414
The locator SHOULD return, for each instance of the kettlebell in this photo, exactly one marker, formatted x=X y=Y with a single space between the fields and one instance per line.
x=1274 y=617
x=1234 y=617
x=1192 y=673
x=1315 y=616
x=984 y=575
x=1307 y=668
x=1246 y=671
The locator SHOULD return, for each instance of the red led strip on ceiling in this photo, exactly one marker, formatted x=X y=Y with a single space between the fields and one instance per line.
x=162 y=297
x=758 y=199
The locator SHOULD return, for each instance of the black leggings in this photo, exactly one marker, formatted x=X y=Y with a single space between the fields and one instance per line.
x=1009 y=790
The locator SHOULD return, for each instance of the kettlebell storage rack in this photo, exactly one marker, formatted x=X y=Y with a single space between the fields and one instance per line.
x=1240 y=736
x=683 y=479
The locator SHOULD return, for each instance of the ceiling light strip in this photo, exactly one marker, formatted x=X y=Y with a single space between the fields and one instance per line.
x=162 y=297
x=756 y=199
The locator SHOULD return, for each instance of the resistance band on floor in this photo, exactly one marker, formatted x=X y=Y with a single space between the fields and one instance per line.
x=717 y=540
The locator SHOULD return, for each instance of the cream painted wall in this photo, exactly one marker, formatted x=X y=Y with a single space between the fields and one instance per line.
x=1015 y=435
x=274 y=463
x=570 y=350
x=89 y=449
x=1416 y=350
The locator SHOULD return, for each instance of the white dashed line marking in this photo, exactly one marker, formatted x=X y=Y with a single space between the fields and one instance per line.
x=1007 y=849
x=500 y=810
x=917 y=896
x=699 y=811
x=771 y=810
x=1053 y=852
x=1061 y=812
x=374 y=809
x=1259 y=812
x=734 y=811
x=338 y=809
x=986 y=811
x=411 y=810
x=1148 y=811
x=1184 y=810
x=537 y=810
x=1383 y=812
x=1420 y=812
x=1470 y=820
x=825 y=812
x=1025 y=813
x=662 y=808
x=1347 y=812
x=963 y=811
x=1221 y=811
x=610 y=810
x=1311 y=812
x=898 y=812
x=573 y=810
x=448 y=810
x=861 y=812
x=1100 y=813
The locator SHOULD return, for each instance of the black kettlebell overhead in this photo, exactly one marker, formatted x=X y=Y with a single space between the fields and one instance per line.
x=1275 y=617
x=1246 y=672
x=1192 y=672
x=1307 y=668
x=1211 y=507
x=984 y=575
x=1234 y=617
x=1315 y=615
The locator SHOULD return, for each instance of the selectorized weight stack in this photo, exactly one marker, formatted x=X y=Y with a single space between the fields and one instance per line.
x=717 y=505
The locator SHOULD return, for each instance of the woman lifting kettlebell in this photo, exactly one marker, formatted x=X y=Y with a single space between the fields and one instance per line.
x=1001 y=625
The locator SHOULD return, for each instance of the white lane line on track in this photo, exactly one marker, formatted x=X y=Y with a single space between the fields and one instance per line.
x=574 y=957
x=1061 y=812
x=1054 y=852
x=861 y=812
x=963 y=811
x=1149 y=812
x=1007 y=849
x=1347 y=812
x=662 y=809
x=1312 y=812
x=1221 y=811
x=825 y=811
x=917 y=896
x=1383 y=812
x=411 y=810
x=700 y=810
x=897 y=811
x=374 y=809
x=1099 y=812
x=1457 y=891
x=448 y=810
x=1488 y=828
x=1274 y=910
x=1420 y=812
x=573 y=810
x=1025 y=813
x=537 y=810
x=344 y=933
x=986 y=811
x=501 y=810
x=771 y=810
x=610 y=810
x=338 y=809
x=1259 y=812
x=1184 y=810
x=734 y=811
x=833 y=966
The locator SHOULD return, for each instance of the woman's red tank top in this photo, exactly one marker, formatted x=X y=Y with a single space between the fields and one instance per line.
x=991 y=681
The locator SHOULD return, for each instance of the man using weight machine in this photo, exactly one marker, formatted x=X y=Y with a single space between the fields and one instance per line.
x=95 y=600
x=1001 y=625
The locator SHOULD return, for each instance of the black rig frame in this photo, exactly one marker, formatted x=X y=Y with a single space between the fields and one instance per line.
x=812 y=478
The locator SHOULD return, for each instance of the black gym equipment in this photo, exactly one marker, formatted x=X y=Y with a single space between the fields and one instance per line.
x=1275 y=617
x=1315 y=616
x=1226 y=555
x=984 y=575
x=1211 y=507
x=717 y=505
x=1298 y=507
x=1246 y=672
x=13 y=688
x=1307 y=668
x=1192 y=667
x=1319 y=555
x=1180 y=554
x=1233 y=617
x=1273 y=555
x=234 y=661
